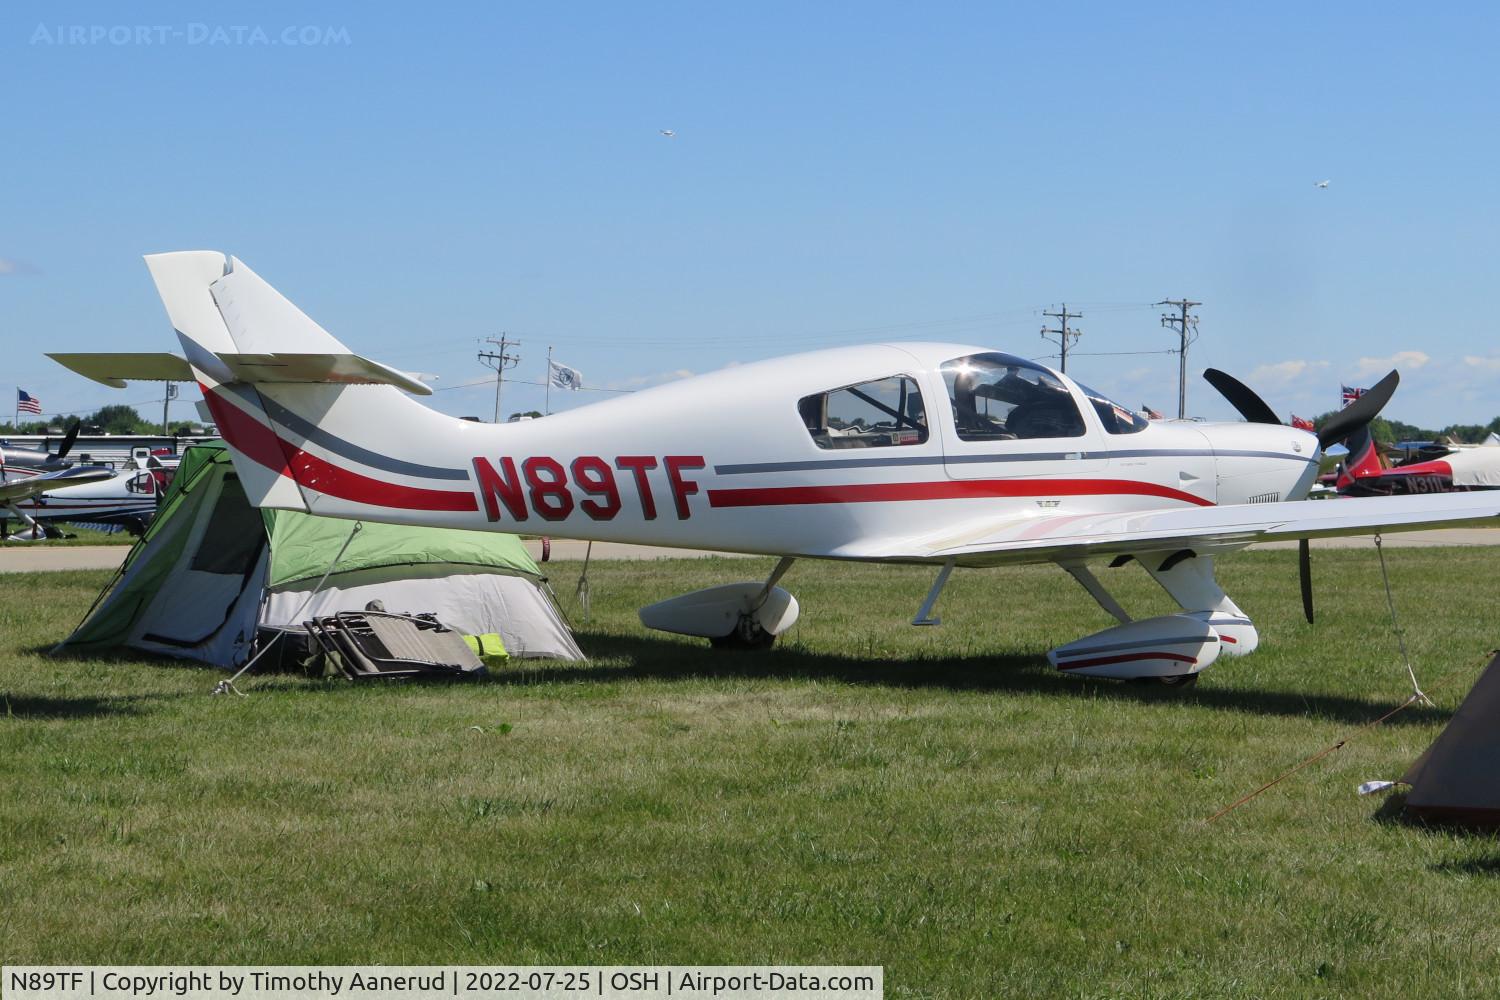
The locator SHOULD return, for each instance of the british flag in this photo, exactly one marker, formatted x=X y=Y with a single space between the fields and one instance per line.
x=27 y=403
x=1351 y=394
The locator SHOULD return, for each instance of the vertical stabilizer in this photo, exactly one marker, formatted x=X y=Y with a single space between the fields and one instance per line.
x=185 y=282
x=1363 y=460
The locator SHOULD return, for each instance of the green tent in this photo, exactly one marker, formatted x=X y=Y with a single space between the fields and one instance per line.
x=211 y=571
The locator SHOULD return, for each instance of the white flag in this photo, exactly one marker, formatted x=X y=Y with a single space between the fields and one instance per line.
x=563 y=377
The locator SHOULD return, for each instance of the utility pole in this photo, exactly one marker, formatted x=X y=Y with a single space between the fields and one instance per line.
x=166 y=397
x=1187 y=332
x=1065 y=333
x=499 y=361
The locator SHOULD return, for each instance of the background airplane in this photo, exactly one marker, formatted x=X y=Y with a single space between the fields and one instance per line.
x=18 y=461
x=22 y=497
x=951 y=455
x=40 y=498
x=1454 y=468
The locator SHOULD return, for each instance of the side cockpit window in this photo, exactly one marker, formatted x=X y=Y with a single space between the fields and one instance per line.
x=881 y=414
x=997 y=397
x=1115 y=418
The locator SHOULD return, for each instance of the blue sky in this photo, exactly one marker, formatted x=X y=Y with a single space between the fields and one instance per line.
x=840 y=173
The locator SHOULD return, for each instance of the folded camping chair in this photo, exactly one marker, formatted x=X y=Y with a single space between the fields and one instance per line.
x=370 y=644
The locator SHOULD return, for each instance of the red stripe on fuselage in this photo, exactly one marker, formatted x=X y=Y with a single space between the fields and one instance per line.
x=316 y=474
x=1104 y=661
x=249 y=436
x=264 y=446
x=776 y=496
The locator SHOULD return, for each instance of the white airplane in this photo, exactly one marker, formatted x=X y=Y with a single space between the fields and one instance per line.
x=25 y=496
x=949 y=455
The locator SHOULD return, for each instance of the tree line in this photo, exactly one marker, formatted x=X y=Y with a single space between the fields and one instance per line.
x=114 y=419
x=1391 y=431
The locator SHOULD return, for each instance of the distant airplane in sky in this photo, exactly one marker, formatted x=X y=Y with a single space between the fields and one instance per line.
x=669 y=133
x=1324 y=184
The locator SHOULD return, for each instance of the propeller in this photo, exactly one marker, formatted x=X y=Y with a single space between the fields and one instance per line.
x=68 y=441
x=1304 y=577
x=1241 y=397
x=1360 y=412
x=1350 y=420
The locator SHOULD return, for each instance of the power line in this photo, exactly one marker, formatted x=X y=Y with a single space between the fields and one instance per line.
x=522 y=381
x=1187 y=332
x=499 y=361
x=1065 y=334
x=1112 y=354
x=581 y=388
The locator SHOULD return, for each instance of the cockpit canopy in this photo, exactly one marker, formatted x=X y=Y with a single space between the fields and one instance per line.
x=1000 y=397
x=995 y=397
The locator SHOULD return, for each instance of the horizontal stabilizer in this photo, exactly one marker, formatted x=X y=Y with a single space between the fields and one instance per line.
x=344 y=369
x=117 y=369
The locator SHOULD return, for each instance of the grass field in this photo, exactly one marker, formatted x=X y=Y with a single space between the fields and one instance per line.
x=936 y=801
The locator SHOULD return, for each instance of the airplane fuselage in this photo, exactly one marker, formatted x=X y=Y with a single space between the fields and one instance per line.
x=813 y=454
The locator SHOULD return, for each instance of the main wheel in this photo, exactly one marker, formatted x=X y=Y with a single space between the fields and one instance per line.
x=1179 y=680
x=747 y=635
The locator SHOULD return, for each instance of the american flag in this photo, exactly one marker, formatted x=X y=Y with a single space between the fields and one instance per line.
x=27 y=403
x=1351 y=394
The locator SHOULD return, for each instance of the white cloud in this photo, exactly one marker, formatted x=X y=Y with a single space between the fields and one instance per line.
x=1284 y=373
x=1489 y=366
x=1406 y=360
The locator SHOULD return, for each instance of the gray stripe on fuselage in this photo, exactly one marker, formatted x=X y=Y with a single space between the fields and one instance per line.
x=1034 y=456
x=338 y=445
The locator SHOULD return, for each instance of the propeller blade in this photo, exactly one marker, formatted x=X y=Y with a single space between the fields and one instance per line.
x=1241 y=397
x=1304 y=575
x=68 y=440
x=1360 y=412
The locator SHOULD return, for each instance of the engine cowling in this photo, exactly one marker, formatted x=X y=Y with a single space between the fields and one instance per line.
x=1168 y=646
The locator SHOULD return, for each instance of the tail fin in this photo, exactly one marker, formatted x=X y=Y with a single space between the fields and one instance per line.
x=1364 y=458
x=290 y=400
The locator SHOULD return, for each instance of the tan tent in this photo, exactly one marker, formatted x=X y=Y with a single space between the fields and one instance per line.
x=1458 y=779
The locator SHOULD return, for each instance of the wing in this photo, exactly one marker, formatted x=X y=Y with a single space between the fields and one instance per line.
x=22 y=489
x=1072 y=537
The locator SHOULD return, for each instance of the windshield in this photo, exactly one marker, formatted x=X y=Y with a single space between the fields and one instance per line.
x=1115 y=418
